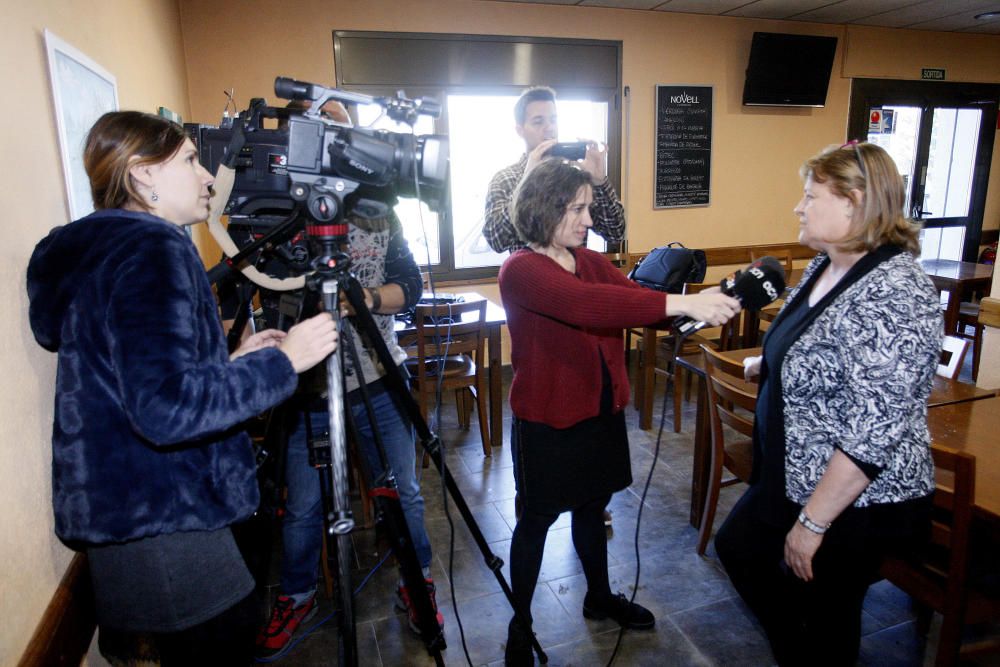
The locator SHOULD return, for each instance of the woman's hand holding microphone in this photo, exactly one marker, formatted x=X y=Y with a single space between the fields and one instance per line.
x=711 y=306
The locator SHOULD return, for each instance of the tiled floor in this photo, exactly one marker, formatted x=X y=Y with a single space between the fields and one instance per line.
x=700 y=619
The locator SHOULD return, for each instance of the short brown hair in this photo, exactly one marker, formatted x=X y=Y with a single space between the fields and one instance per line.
x=879 y=217
x=535 y=94
x=114 y=140
x=541 y=198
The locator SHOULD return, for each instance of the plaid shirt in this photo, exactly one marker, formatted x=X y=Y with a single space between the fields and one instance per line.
x=606 y=211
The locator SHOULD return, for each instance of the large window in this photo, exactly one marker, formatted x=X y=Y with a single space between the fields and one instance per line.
x=477 y=79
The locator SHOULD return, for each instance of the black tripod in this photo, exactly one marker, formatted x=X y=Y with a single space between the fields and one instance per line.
x=331 y=278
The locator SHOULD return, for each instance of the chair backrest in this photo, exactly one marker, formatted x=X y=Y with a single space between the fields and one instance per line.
x=728 y=332
x=633 y=258
x=620 y=260
x=953 y=351
x=784 y=255
x=954 y=497
x=939 y=579
x=726 y=393
x=449 y=329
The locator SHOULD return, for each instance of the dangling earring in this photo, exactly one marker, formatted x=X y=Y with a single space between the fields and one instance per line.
x=154 y=196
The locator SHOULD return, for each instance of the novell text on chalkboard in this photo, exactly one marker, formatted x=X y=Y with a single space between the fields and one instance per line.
x=683 y=146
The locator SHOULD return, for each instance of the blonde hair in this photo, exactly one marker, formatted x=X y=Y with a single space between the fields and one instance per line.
x=879 y=218
x=120 y=140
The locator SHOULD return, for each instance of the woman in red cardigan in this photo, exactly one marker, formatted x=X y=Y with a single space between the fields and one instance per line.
x=566 y=308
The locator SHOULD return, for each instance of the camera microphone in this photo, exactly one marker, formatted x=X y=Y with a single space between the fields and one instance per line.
x=761 y=283
x=290 y=89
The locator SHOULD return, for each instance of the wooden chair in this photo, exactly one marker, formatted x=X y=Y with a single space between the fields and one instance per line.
x=953 y=352
x=450 y=354
x=784 y=255
x=620 y=260
x=939 y=579
x=729 y=404
x=722 y=338
x=968 y=316
x=768 y=313
x=631 y=259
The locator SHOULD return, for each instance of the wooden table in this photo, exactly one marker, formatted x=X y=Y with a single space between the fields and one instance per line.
x=496 y=317
x=973 y=427
x=958 y=279
x=944 y=392
x=646 y=365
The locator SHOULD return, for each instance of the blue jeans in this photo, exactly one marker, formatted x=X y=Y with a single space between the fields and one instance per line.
x=302 y=531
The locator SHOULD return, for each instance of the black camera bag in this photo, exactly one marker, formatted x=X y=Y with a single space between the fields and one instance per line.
x=668 y=267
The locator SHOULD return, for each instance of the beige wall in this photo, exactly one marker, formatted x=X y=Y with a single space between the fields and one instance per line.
x=756 y=151
x=145 y=55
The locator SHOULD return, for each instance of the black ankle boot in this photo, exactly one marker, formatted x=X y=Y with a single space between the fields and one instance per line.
x=617 y=607
x=518 y=652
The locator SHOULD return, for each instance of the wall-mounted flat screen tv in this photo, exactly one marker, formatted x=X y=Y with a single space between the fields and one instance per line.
x=788 y=70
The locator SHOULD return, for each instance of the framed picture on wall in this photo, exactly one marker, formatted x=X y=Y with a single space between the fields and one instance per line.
x=82 y=91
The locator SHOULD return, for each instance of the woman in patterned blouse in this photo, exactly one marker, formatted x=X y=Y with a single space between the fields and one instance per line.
x=842 y=466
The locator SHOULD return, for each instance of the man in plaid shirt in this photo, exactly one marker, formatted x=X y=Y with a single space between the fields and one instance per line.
x=535 y=115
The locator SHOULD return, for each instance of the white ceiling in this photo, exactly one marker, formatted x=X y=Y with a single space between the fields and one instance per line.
x=940 y=15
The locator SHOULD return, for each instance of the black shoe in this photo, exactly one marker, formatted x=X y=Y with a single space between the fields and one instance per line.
x=518 y=652
x=617 y=607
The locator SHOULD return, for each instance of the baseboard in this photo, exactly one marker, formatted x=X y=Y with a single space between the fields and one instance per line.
x=66 y=629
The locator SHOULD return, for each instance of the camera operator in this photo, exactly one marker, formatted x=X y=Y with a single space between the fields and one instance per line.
x=536 y=123
x=383 y=264
x=149 y=469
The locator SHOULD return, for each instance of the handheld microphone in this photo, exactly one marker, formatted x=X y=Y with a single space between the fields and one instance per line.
x=761 y=283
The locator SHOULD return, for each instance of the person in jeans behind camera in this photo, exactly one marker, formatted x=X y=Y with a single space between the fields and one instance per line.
x=566 y=308
x=383 y=264
x=149 y=469
x=536 y=122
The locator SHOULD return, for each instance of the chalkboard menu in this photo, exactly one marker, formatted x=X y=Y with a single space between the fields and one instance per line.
x=683 y=146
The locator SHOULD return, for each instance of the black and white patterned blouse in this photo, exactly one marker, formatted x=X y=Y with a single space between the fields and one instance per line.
x=858 y=378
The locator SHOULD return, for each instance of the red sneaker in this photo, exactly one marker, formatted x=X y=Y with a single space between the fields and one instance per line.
x=403 y=604
x=285 y=620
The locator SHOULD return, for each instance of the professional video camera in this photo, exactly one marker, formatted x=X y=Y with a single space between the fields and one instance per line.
x=321 y=167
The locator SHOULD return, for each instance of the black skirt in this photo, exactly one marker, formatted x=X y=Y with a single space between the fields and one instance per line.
x=560 y=469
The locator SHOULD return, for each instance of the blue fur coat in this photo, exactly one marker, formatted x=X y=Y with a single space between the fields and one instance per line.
x=146 y=437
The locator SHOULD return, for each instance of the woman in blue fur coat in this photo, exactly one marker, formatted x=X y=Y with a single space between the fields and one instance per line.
x=149 y=466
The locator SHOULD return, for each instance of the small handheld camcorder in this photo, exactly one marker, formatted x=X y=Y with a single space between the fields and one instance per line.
x=572 y=150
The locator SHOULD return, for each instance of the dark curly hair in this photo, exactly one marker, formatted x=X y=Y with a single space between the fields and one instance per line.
x=540 y=200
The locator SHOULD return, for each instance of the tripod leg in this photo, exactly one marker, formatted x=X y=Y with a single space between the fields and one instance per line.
x=432 y=445
x=340 y=521
x=379 y=430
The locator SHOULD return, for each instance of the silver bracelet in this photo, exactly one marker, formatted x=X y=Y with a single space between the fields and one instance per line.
x=811 y=525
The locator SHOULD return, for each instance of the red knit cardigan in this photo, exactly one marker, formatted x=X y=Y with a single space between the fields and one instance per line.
x=560 y=324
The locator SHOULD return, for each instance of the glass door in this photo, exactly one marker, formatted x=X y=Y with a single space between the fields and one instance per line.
x=941 y=138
